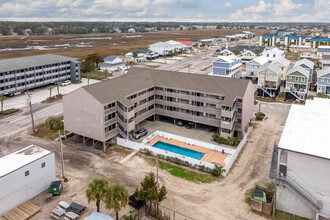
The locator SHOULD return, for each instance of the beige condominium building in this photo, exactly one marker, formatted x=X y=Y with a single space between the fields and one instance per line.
x=115 y=107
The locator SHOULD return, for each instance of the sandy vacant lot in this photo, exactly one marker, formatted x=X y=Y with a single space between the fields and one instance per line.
x=221 y=199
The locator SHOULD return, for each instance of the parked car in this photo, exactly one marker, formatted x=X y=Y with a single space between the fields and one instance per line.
x=189 y=125
x=179 y=123
x=140 y=133
x=66 y=83
x=135 y=202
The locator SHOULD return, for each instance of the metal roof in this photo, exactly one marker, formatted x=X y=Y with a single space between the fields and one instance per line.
x=282 y=61
x=323 y=72
x=306 y=130
x=21 y=158
x=321 y=39
x=7 y=65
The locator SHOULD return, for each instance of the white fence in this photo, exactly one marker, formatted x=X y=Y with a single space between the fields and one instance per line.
x=140 y=146
x=229 y=161
x=234 y=156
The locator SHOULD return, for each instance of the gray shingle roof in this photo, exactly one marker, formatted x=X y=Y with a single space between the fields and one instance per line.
x=138 y=79
x=306 y=62
x=323 y=72
x=32 y=61
x=300 y=70
x=283 y=61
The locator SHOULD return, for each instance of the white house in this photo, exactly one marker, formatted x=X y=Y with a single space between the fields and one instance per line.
x=255 y=66
x=24 y=174
x=273 y=54
x=227 y=66
x=301 y=162
x=113 y=63
x=163 y=48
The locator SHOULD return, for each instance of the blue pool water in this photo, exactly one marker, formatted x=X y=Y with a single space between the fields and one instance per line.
x=178 y=150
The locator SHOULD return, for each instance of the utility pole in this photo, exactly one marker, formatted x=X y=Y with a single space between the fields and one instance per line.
x=61 y=154
x=29 y=101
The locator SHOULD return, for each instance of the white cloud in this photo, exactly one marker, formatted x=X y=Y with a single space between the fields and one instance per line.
x=228 y=4
x=260 y=8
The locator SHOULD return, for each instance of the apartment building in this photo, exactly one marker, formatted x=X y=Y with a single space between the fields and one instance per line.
x=26 y=73
x=255 y=66
x=301 y=162
x=227 y=66
x=116 y=107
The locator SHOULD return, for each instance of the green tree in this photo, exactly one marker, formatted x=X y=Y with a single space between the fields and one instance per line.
x=2 y=98
x=50 y=88
x=258 y=52
x=130 y=216
x=149 y=192
x=116 y=198
x=95 y=59
x=96 y=191
x=236 y=52
x=170 y=53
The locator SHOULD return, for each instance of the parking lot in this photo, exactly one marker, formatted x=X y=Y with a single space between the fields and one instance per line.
x=41 y=94
x=201 y=133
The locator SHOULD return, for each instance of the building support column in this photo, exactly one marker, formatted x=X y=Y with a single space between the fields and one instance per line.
x=104 y=147
x=317 y=216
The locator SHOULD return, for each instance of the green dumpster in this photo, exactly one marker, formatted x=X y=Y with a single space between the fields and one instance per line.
x=55 y=188
x=259 y=195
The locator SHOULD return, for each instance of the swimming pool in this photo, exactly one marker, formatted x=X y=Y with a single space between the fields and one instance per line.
x=179 y=150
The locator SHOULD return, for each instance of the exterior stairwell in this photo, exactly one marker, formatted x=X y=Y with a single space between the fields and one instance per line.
x=294 y=184
x=294 y=94
x=265 y=91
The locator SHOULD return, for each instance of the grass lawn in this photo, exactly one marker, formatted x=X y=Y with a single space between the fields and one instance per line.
x=96 y=74
x=8 y=111
x=44 y=131
x=185 y=174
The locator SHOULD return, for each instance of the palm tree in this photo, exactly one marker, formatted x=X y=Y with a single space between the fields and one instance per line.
x=58 y=88
x=54 y=122
x=116 y=198
x=96 y=191
x=50 y=88
x=2 y=98
x=135 y=55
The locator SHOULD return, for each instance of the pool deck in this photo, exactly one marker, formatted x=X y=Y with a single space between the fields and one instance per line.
x=210 y=155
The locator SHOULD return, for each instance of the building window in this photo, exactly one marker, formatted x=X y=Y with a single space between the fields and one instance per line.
x=218 y=106
x=322 y=80
x=328 y=81
x=218 y=116
x=302 y=79
x=296 y=79
x=290 y=77
x=273 y=76
x=27 y=173
x=43 y=164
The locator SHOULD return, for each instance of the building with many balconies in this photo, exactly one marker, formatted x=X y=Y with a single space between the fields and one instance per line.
x=26 y=73
x=116 y=107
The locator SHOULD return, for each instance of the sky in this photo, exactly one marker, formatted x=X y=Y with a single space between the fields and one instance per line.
x=167 y=10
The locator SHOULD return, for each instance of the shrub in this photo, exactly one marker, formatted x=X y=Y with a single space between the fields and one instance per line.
x=201 y=167
x=168 y=158
x=148 y=152
x=232 y=141
x=321 y=95
x=260 y=116
x=217 y=170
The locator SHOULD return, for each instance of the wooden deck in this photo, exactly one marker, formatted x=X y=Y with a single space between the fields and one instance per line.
x=210 y=156
x=22 y=212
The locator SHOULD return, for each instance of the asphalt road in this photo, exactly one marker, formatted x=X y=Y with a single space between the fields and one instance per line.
x=22 y=121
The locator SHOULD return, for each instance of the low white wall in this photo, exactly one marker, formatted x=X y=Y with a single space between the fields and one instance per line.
x=236 y=153
x=140 y=146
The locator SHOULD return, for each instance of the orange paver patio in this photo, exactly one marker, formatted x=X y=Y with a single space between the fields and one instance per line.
x=210 y=156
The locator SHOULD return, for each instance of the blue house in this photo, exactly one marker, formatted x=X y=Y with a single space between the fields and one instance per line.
x=323 y=81
x=227 y=66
